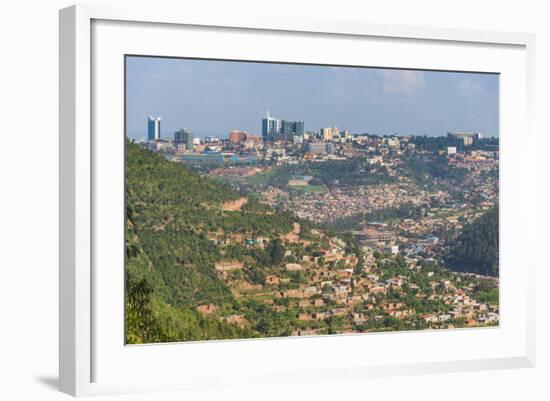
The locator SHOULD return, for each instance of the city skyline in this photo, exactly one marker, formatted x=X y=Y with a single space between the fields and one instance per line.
x=212 y=97
x=263 y=229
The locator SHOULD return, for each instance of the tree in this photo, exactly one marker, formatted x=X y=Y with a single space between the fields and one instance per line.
x=358 y=269
x=276 y=251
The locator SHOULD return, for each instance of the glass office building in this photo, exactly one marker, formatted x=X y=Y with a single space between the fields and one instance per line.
x=270 y=127
x=274 y=128
x=153 y=128
x=184 y=136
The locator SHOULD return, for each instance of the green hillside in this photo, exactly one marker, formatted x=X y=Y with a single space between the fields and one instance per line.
x=476 y=248
x=149 y=318
x=172 y=214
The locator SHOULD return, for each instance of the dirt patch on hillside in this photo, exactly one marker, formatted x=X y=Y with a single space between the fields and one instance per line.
x=294 y=235
x=233 y=206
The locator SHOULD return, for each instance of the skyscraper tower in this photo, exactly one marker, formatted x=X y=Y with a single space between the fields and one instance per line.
x=270 y=126
x=184 y=136
x=153 y=128
x=290 y=128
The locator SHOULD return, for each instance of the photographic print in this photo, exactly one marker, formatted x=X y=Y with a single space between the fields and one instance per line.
x=278 y=199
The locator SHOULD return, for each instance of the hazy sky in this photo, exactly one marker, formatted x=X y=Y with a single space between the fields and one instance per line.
x=213 y=97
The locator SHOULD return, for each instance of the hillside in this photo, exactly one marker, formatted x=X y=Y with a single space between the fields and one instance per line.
x=174 y=217
x=476 y=248
x=149 y=318
x=205 y=262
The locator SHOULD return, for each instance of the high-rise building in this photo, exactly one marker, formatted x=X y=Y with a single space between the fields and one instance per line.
x=326 y=134
x=299 y=127
x=271 y=126
x=274 y=128
x=330 y=134
x=184 y=136
x=287 y=128
x=291 y=128
x=153 y=128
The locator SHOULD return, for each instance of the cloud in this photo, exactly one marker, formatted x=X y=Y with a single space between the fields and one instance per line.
x=350 y=83
x=470 y=88
x=402 y=82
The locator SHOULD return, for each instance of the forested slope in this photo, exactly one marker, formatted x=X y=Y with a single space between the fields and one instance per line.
x=171 y=215
x=476 y=248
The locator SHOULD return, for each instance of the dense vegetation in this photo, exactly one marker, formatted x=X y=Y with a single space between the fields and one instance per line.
x=149 y=318
x=425 y=170
x=350 y=173
x=169 y=256
x=346 y=173
x=476 y=248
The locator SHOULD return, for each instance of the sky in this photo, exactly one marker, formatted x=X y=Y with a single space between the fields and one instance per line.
x=212 y=97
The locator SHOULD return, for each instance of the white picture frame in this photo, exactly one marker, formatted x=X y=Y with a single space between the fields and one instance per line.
x=83 y=331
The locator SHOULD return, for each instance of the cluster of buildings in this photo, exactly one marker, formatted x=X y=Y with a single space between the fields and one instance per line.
x=281 y=136
x=335 y=284
x=320 y=142
x=277 y=129
x=342 y=202
x=244 y=139
x=277 y=137
x=361 y=299
x=285 y=142
x=183 y=142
